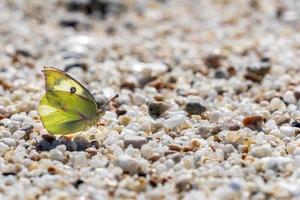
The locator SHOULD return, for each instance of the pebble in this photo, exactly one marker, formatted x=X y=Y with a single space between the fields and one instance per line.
x=194 y=108
x=157 y=109
x=261 y=151
x=3 y=148
x=135 y=141
x=19 y=134
x=128 y=164
x=9 y=142
x=82 y=143
x=43 y=146
x=257 y=72
x=276 y=104
x=253 y=122
x=295 y=124
x=287 y=131
x=174 y=121
x=56 y=154
x=91 y=150
x=213 y=60
x=27 y=128
x=71 y=145
x=78 y=160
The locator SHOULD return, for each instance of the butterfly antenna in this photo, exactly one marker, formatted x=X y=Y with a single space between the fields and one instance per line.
x=107 y=102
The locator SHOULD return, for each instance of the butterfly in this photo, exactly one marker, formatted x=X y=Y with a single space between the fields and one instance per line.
x=67 y=106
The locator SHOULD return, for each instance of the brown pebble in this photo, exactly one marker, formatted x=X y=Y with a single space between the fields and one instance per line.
x=253 y=122
x=48 y=137
x=52 y=170
x=154 y=157
x=156 y=109
x=297 y=94
x=195 y=143
x=175 y=147
x=231 y=71
x=5 y=85
x=120 y=112
x=213 y=60
x=187 y=148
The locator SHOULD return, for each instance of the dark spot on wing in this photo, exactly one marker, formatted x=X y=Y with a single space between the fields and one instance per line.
x=72 y=90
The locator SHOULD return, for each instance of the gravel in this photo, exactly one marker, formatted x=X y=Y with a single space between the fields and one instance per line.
x=208 y=103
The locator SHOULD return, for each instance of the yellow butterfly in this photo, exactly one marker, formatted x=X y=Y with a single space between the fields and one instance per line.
x=67 y=106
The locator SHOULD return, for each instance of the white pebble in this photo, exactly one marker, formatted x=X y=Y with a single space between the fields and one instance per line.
x=3 y=148
x=55 y=154
x=174 y=121
x=287 y=131
x=261 y=151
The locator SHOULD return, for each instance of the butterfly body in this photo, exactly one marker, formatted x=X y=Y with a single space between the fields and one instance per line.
x=67 y=106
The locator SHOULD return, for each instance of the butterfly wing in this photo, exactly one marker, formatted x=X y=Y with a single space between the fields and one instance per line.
x=57 y=80
x=64 y=112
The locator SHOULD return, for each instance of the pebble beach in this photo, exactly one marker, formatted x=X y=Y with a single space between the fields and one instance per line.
x=208 y=106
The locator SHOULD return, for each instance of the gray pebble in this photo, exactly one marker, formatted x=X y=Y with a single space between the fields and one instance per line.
x=194 y=108
x=82 y=143
x=71 y=145
x=156 y=109
x=43 y=146
x=135 y=141
x=9 y=141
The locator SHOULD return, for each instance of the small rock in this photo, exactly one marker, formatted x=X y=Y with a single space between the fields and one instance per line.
x=43 y=146
x=71 y=145
x=149 y=69
x=3 y=148
x=194 y=108
x=174 y=121
x=203 y=131
x=156 y=109
x=19 y=134
x=91 y=150
x=213 y=60
x=61 y=147
x=78 y=160
x=276 y=104
x=27 y=128
x=287 y=131
x=9 y=142
x=13 y=126
x=56 y=154
x=128 y=164
x=184 y=182
x=261 y=151
x=220 y=74
x=253 y=122
x=175 y=147
x=257 y=72
x=82 y=143
x=135 y=141
x=175 y=156
x=48 y=138
x=295 y=124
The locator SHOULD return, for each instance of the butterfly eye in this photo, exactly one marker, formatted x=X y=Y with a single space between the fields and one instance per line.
x=72 y=90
